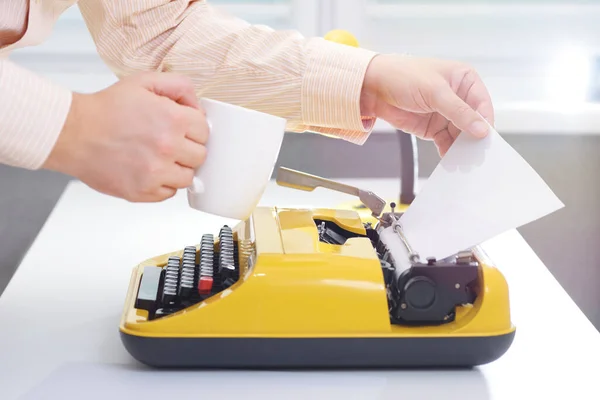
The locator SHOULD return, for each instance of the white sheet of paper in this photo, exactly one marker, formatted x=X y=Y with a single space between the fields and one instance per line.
x=480 y=189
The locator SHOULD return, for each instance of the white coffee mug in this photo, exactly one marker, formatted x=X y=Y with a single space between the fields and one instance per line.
x=242 y=149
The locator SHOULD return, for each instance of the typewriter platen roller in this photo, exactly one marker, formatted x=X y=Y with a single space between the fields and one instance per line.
x=293 y=287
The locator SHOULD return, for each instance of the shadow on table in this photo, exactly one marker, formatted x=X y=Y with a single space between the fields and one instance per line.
x=115 y=381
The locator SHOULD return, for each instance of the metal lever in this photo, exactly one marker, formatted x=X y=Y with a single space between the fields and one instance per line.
x=303 y=181
x=397 y=227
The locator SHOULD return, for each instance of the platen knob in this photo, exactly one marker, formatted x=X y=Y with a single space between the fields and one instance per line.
x=419 y=293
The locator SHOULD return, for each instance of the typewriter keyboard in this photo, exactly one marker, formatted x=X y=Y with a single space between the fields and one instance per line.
x=198 y=274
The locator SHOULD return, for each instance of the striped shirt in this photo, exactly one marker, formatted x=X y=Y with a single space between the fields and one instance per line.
x=313 y=83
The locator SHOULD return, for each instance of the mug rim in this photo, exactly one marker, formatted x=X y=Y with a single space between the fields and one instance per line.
x=208 y=99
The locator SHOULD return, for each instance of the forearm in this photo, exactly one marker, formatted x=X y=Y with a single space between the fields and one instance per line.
x=32 y=113
x=314 y=84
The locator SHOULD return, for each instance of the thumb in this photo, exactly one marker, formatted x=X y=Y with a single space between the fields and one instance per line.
x=454 y=109
x=176 y=87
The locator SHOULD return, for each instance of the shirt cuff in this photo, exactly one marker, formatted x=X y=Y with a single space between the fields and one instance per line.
x=331 y=90
x=33 y=111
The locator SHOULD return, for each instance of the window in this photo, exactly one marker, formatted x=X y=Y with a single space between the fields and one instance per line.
x=513 y=43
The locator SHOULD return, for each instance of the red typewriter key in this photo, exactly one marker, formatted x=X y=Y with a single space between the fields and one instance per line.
x=205 y=284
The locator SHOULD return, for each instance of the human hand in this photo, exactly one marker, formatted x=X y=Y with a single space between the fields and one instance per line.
x=432 y=99
x=140 y=139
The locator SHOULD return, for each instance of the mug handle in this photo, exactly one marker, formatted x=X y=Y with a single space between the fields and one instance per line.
x=197 y=184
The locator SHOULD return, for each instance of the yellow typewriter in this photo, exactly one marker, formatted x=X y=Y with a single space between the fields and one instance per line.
x=315 y=288
x=318 y=288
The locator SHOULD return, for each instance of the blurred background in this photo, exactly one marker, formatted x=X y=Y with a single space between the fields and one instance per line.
x=538 y=58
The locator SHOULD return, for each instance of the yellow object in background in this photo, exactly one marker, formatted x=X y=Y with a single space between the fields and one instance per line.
x=341 y=36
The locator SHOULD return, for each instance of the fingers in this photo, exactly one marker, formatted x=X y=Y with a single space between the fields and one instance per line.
x=459 y=113
x=453 y=131
x=178 y=88
x=476 y=95
x=443 y=140
x=191 y=151
x=479 y=99
x=160 y=194
x=173 y=178
x=178 y=177
x=197 y=128
x=191 y=154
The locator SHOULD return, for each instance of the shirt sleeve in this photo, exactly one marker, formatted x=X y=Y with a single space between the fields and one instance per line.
x=33 y=111
x=313 y=83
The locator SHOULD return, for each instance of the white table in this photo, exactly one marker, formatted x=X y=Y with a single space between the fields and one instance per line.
x=59 y=318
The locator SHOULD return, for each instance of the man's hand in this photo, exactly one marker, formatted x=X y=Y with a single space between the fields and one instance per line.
x=140 y=139
x=432 y=99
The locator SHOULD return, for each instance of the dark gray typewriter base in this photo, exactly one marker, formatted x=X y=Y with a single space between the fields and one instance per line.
x=278 y=353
